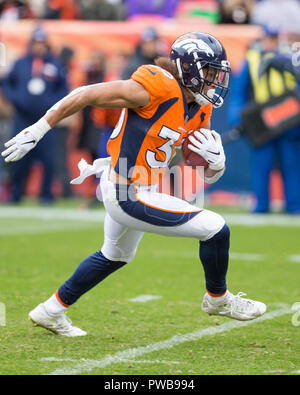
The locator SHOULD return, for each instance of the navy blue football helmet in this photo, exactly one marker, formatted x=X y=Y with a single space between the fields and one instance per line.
x=202 y=66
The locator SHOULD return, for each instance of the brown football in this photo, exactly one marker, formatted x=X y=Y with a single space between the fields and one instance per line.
x=190 y=157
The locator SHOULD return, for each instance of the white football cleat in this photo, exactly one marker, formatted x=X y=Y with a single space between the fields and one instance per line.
x=59 y=324
x=234 y=306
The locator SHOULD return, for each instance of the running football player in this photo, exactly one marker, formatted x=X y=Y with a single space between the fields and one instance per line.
x=161 y=104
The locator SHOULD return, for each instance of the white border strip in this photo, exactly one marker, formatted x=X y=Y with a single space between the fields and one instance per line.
x=98 y=216
x=52 y=214
x=262 y=220
x=133 y=353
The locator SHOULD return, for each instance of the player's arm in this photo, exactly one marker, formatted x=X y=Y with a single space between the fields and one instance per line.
x=210 y=147
x=116 y=94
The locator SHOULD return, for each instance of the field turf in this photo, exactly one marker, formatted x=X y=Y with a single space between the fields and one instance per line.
x=167 y=334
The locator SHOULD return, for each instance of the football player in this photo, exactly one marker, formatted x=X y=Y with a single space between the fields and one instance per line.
x=161 y=104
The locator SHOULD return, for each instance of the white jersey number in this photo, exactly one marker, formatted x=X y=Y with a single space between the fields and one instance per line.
x=172 y=137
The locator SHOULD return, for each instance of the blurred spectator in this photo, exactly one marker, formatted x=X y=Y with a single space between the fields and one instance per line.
x=285 y=14
x=33 y=85
x=5 y=129
x=62 y=135
x=38 y=7
x=147 y=50
x=61 y=9
x=164 y=8
x=91 y=126
x=107 y=118
x=257 y=87
x=11 y=10
x=236 y=11
x=105 y=10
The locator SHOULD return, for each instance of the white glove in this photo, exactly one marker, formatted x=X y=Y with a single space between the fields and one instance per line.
x=208 y=144
x=19 y=146
x=25 y=141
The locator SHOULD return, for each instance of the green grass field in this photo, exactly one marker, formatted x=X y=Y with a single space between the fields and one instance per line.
x=167 y=335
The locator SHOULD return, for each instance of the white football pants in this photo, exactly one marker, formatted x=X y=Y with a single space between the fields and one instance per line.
x=131 y=211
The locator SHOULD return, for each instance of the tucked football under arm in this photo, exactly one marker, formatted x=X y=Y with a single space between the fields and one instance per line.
x=211 y=176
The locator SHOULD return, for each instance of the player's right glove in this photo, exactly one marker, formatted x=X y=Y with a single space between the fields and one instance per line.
x=19 y=146
x=208 y=144
x=25 y=141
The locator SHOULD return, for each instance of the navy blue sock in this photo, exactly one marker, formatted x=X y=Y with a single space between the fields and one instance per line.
x=214 y=255
x=89 y=273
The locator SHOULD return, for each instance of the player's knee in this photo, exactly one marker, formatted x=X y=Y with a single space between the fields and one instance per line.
x=212 y=223
x=224 y=233
x=116 y=252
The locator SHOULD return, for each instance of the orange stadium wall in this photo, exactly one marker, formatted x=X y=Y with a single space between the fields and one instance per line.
x=113 y=39
x=120 y=37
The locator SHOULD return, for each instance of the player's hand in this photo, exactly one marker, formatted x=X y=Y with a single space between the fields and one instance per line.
x=208 y=144
x=19 y=146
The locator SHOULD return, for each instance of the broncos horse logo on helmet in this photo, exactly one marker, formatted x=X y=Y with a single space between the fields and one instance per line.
x=202 y=66
x=194 y=45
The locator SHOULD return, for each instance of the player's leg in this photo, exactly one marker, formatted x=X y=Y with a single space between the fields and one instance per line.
x=149 y=211
x=119 y=248
x=153 y=212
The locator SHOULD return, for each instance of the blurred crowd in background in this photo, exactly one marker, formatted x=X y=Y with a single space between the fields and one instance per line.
x=41 y=77
x=217 y=11
x=214 y=11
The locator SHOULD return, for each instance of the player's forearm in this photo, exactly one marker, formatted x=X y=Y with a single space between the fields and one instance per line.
x=211 y=173
x=69 y=105
x=212 y=176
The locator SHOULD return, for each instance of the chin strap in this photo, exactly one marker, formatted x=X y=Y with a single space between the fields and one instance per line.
x=202 y=101
x=199 y=99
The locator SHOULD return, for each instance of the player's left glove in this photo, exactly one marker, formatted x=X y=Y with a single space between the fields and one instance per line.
x=25 y=141
x=208 y=144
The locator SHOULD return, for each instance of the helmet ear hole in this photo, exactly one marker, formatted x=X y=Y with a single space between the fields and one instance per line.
x=195 y=81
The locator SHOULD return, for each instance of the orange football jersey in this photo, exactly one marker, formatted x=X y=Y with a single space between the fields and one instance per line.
x=145 y=139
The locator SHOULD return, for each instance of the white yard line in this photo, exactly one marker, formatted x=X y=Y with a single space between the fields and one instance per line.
x=144 y=298
x=294 y=258
x=241 y=256
x=52 y=214
x=133 y=353
x=49 y=227
x=54 y=359
x=262 y=220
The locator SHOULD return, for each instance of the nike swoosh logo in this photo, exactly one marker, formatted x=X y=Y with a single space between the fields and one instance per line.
x=29 y=142
x=214 y=153
x=152 y=72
